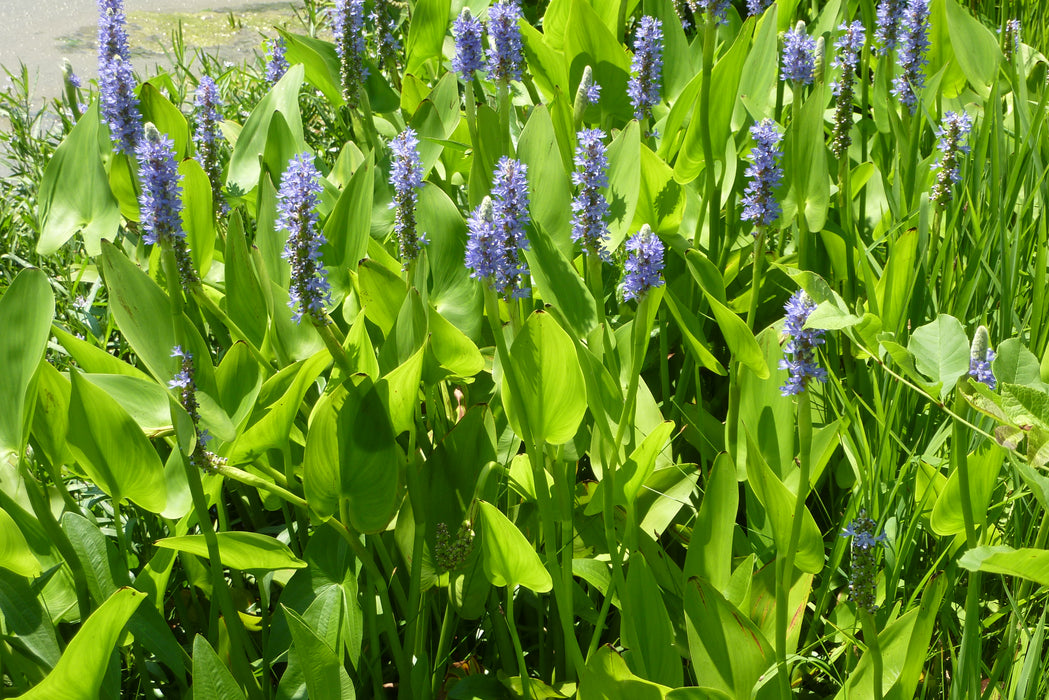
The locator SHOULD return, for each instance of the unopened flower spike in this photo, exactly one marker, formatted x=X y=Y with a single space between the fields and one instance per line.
x=468 y=32
x=160 y=201
x=863 y=582
x=452 y=552
x=644 y=264
x=206 y=137
x=799 y=56
x=846 y=59
x=506 y=56
x=297 y=215
x=588 y=93
x=646 y=68
x=347 y=19
x=276 y=63
x=116 y=79
x=800 y=351
x=406 y=180
x=589 y=207
x=913 y=45
x=388 y=46
x=496 y=232
x=980 y=358
x=952 y=142
x=765 y=173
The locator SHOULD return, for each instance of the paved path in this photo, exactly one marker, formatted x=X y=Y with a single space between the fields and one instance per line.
x=41 y=33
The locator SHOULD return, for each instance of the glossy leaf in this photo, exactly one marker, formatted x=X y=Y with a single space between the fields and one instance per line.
x=239 y=550
x=508 y=558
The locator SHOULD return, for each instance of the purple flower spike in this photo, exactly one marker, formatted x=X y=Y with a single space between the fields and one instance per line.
x=469 y=53
x=952 y=141
x=714 y=9
x=497 y=232
x=276 y=64
x=646 y=68
x=799 y=56
x=206 y=136
x=506 y=59
x=887 y=22
x=802 y=345
x=160 y=203
x=406 y=179
x=296 y=214
x=590 y=208
x=756 y=7
x=847 y=58
x=116 y=79
x=347 y=20
x=862 y=584
x=765 y=173
x=914 y=44
x=644 y=264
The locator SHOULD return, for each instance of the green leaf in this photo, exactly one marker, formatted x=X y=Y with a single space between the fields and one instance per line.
x=739 y=337
x=757 y=86
x=326 y=677
x=211 y=679
x=508 y=558
x=646 y=628
x=75 y=194
x=548 y=184
x=984 y=466
x=111 y=448
x=27 y=621
x=975 y=48
x=661 y=201
x=559 y=284
x=143 y=312
x=346 y=229
x=239 y=550
x=1015 y=364
x=729 y=652
x=26 y=311
x=809 y=179
x=1025 y=563
x=426 y=33
x=79 y=672
x=198 y=219
x=320 y=64
x=941 y=351
x=607 y=677
x=724 y=91
x=244 y=301
x=709 y=553
x=455 y=296
x=15 y=553
x=904 y=646
x=352 y=455
x=588 y=42
x=165 y=116
x=624 y=184
x=244 y=168
x=547 y=383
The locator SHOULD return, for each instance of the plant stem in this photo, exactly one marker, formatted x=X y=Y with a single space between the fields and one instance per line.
x=870 y=636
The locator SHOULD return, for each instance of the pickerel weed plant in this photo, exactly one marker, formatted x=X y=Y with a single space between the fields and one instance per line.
x=583 y=349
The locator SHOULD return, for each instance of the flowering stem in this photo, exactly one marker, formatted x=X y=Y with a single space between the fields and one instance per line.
x=714 y=228
x=258 y=482
x=471 y=109
x=755 y=284
x=593 y=279
x=796 y=160
x=503 y=96
x=324 y=330
x=969 y=662
x=870 y=636
x=787 y=568
x=537 y=459
x=220 y=589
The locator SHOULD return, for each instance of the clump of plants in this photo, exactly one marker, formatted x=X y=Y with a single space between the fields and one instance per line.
x=596 y=349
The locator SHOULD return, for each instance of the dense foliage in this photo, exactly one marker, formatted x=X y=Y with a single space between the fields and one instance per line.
x=610 y=348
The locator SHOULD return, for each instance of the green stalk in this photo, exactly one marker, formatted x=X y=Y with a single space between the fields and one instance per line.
x=803 y=242
x=712 y=195
x=443 y=643
x=238 y=635
x=415 y=618
x=537 y=459
x=515 y=639
x=503 y=96
x=969 y=671
x=870 y=635
x=471 y=111
x=786 y=571
x=258 y=482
